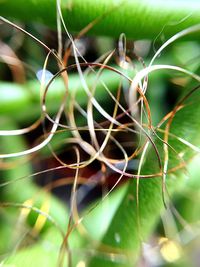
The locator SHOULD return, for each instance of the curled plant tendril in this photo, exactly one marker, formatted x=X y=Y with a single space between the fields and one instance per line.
x=103 y=130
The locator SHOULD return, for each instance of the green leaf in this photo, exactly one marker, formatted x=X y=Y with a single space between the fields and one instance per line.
x=138 y=19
